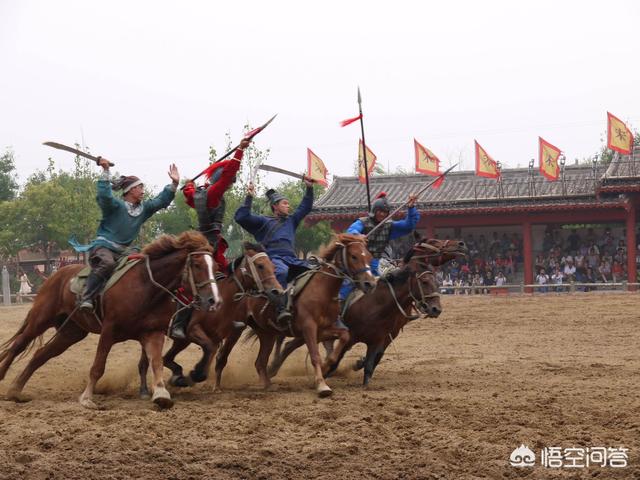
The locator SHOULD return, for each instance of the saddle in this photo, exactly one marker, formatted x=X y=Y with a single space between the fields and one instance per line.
x=123 y=266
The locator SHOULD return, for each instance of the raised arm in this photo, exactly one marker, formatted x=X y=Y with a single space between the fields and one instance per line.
x=405 y=226
x=104 y=196
x=166 y=196
x=247 y=220
x=305 y=205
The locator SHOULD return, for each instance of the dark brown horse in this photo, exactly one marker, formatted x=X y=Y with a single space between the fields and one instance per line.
x=314 y=310
x=378 y=317
x=253 y=275
x=138 y=307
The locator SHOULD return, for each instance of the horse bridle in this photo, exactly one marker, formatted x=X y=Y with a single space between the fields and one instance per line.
x=417 y=302
x=253 y=272
x=187 y=276
x=345 y=269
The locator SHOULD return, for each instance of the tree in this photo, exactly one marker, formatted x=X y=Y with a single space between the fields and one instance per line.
x=8 y=176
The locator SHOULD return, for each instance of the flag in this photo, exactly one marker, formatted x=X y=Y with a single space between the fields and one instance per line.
x=619 y=137
x=427 y=162
x=349 y=121
x=316 y=169
x=371 y=162
x=548 y=158
x=485 y=165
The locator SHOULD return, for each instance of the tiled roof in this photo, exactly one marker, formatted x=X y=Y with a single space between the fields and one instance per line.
x=466 y=191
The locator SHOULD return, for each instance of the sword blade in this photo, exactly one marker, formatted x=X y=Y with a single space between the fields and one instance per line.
x=271 y=168
x=66 y=148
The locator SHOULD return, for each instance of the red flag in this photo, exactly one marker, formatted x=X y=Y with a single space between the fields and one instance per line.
x=349 y=121
x=427 y=162
x=485 y=165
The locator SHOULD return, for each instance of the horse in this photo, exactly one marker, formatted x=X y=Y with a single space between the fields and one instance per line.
x=137 y=307
x=314 y=309
x=378 y=317
x=252 y=275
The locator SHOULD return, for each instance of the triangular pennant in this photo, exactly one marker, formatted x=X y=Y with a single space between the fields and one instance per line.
x=485 y=165
x=619 y=137
x=427 y=162
x=316 y=168
x=548 y=158
x=371 y=162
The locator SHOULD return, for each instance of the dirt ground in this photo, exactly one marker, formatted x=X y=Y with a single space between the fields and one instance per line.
x=452 y=398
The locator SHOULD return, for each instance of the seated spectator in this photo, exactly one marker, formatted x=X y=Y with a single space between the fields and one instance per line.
x=617 y=272
x=593 y=258
x=500 y=279
x=447 y=285
x=569 y=271
x=557 y=278
x=604 y=270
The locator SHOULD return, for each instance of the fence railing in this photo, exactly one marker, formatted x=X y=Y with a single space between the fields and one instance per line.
x=536 y=288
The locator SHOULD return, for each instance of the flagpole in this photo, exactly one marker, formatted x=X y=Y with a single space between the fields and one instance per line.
x=364 y=152
x=390 y=216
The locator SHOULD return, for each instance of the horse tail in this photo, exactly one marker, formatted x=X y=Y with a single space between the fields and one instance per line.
x=250 y=336
x=4 y=348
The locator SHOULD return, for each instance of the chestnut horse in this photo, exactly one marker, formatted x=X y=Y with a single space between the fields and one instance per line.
x=252 y=275
x=377 y=317
x=314 y=309
x=138 y=307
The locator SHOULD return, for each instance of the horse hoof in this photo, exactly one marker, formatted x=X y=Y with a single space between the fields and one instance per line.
x=162 y=399
x=358 y=365
x=88 y=403
x=17 y=397
x=180 y=381
x=324 y=391
x=145 y=395
x=196 y=376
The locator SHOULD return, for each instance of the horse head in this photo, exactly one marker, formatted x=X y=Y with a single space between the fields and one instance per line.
x=255 y=271
x=423 y=285
x=438 y=252
x=350 y=255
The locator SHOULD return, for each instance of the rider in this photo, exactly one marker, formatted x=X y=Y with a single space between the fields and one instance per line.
x=120 y=224
x=208 y=201
x=277 y=234
x=379 y=240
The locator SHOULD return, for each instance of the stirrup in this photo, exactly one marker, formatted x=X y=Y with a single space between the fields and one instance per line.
x=86 y=305
x=340 y=324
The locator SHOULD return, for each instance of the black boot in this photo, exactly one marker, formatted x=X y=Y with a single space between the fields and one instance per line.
x=284 y=316
x=93 y=286
x=178 y=328
x=339 y=321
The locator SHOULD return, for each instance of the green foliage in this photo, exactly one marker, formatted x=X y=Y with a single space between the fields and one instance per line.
x=8 y=176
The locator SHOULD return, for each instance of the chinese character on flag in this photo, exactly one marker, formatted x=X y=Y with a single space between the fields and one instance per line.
x=548 y=158
x=371 y=163
x=316 y=169
x=427 y=162
x=619 y=137
x=485 y=165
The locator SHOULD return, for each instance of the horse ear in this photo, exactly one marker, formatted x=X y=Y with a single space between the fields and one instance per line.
x=237 y=262
x=339 y=244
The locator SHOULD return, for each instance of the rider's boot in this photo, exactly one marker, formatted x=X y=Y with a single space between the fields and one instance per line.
x=283 y=315
x=178 y=328
x=339 y=320
x=93 y=285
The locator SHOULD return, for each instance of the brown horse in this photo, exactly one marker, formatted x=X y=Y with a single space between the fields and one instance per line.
x=377 y=317
x=138 y=307
x=253 y=275
x=314 y=310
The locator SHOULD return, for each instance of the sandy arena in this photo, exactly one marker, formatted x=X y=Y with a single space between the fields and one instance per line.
x=451 y=399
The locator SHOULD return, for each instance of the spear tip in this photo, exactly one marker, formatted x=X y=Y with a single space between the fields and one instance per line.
x=359 y=97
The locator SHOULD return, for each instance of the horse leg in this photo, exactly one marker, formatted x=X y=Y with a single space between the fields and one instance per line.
x=310 y=333
x=278 y=348
x=266 y=345
x=288 y=349
x=223 y=355
x=201 y=370
x=169 y=360
x=328 y=346
x=333 y=367
x=69 y=334
x=97 y=369
x=143 y=368
x=330 y=362
x=374 y=354
x=38 y=321
x=153 y=343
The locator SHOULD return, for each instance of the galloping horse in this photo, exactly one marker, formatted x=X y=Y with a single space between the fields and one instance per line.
x=315 y=308
x=377 y=317
x=138 y=307
x=252 y=275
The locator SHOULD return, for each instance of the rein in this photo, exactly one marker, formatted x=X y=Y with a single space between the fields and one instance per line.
x=416 y=301
x=343 y=272
x=187 y=275
x=253 y=273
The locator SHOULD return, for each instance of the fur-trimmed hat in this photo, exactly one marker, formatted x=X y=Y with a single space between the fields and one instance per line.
x=380 y=203
x=274 y=197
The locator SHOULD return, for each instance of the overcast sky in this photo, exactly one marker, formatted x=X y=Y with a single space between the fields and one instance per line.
x=147 y=83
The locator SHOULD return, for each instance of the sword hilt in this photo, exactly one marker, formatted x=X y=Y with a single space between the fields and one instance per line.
x=98 y=158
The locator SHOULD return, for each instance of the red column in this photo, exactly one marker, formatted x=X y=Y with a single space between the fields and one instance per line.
x=631 y=246
x=527 y=248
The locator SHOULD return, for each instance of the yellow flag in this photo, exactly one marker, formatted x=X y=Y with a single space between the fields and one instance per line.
x=619 y=137
x=548 y=158
x=316 y=169
x=485 y=165
x=426 y=161
x=371 y=162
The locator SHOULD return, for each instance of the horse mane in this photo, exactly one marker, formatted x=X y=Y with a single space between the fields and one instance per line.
x=190 y=241
x=256 y=247
x=397 y=276
x=329 y=250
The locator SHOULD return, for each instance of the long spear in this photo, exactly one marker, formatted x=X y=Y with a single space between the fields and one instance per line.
x=364 y=151
x=249 y=136
x=390 y=216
